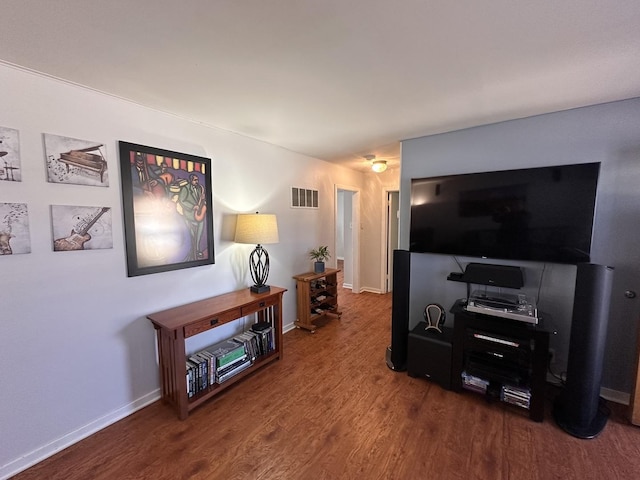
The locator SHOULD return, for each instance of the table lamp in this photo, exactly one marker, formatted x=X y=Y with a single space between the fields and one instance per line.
x=257 y=229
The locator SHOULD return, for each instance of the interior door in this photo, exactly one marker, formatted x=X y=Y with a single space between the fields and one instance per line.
x=393 y=241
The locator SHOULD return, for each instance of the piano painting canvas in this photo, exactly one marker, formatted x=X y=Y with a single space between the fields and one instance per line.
x=79 y=162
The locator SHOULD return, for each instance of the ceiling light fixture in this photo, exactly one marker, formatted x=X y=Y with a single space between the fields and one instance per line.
x=377 y=166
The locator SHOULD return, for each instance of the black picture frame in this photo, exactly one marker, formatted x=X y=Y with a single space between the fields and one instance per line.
x=165 y=229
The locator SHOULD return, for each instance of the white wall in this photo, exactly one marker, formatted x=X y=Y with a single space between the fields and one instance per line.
x=373 y=223
x=76 y=351
x=605 y=133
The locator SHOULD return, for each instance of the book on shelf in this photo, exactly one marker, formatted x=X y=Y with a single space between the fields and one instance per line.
x=211 y=365
x=266 y=336
x=260 y=326
x=230 y=371
x=221 y=361
x=207 y=369
x=249 y=344
x=236 y=362
x=226 y=352
x=195 y=374
x=254 y=342
x=190 y=380
x=194 y=384
x=200 y=372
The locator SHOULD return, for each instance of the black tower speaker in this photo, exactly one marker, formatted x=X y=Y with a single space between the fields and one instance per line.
x=396 y=355
x=577 y=409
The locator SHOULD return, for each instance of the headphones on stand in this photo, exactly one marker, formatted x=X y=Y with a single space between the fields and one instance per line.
x=435 y=316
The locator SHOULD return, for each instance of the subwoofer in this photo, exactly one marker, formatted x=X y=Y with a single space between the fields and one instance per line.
x=577 y=410
x=396 y=355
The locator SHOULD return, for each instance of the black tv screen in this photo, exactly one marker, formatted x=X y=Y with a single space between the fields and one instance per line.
x=540 y=214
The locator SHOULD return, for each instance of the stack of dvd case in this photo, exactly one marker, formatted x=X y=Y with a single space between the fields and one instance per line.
x=516 y=396
x=471 y=382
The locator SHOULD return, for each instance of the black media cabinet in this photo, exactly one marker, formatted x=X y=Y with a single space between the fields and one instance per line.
x=502 y=358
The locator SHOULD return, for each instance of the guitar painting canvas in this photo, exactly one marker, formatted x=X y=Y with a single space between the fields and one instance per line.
x=81 y=228
x=166 y=199
x=14 y=229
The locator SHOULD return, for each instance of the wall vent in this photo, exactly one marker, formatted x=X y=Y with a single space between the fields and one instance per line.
x=304 y=198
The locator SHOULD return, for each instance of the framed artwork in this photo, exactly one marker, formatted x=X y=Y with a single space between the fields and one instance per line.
x=10 y=168
x=79 y=162
x=167 y=207
x=81 y=228
x=14 y=229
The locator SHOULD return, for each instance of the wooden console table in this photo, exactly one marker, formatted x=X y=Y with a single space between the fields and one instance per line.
x=176 y=324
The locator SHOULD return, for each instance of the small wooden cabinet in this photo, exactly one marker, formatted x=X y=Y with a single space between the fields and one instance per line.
x=176 y=324
x=317 y=297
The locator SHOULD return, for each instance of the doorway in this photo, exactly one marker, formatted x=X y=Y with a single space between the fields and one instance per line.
x=347 y=201
x=391 y=240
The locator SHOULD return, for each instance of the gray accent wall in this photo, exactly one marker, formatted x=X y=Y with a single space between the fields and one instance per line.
x=607 y=133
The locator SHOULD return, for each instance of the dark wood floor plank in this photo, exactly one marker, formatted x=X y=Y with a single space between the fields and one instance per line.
x=331 y=409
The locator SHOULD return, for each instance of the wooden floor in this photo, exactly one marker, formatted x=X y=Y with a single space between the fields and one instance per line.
x=331 y=409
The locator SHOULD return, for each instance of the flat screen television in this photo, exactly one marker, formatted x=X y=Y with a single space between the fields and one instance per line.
x=540 y=214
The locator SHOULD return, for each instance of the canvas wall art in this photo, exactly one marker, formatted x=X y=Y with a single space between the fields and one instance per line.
x=14 y=229
x=79 y=162
x=167 y=209
x=10 y=167
x=81 y=228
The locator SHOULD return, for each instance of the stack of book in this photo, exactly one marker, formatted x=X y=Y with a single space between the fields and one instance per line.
x=200 y=368
x=231 y=358
x=220 y=362
x=266 y=337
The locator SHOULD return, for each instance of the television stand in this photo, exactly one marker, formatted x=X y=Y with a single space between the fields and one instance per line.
x=501 y=358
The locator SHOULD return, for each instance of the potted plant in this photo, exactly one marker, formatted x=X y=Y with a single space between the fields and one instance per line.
x=319 y=254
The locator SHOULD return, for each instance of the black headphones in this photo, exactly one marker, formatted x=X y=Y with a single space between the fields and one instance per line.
x=435 y=316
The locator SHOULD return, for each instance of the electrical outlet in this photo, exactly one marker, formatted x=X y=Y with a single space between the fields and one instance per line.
x=552 y=356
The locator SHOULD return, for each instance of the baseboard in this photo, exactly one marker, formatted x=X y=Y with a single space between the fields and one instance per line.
x=371 y=290
x=615 y=396
x=20 y=464
x=362 y=289
x=288 y=327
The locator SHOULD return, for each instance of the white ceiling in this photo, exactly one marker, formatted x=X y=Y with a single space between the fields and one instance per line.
x=335 y=79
